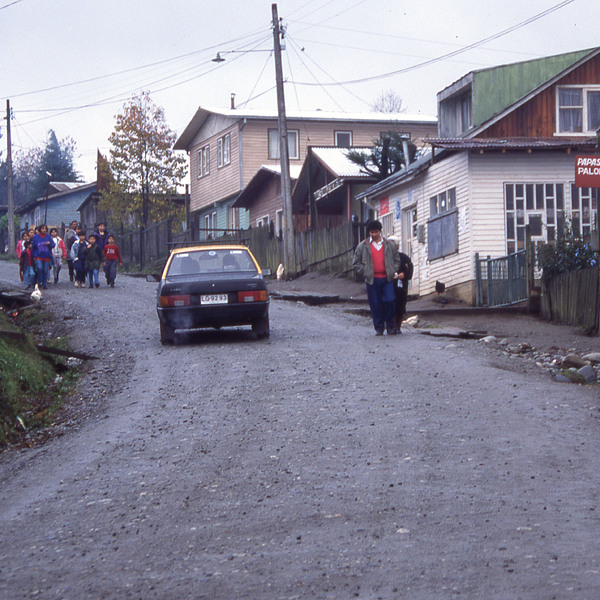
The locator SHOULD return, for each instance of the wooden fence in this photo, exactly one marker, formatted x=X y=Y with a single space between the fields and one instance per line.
x=573 y=298
x=320 y=250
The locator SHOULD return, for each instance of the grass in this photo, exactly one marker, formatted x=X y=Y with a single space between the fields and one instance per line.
x=32 y=385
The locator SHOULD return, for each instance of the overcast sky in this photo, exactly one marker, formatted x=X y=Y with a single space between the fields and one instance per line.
x=70 y=65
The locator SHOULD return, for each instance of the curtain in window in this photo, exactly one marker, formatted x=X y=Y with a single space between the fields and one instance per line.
x=593 y=105
x=570 y=101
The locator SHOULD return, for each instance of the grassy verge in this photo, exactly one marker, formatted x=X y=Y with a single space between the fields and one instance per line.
x=32 y=385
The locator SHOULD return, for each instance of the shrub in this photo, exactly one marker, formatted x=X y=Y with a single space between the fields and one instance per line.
x=570 y=252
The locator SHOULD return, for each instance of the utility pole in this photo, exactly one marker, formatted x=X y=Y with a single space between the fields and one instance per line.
x=11 y=198
x=284 y=157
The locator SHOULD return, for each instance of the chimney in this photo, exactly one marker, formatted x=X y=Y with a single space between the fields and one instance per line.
x=232 y=101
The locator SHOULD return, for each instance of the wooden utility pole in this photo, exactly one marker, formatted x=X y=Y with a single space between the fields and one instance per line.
x=11 y=198
x=284 y=156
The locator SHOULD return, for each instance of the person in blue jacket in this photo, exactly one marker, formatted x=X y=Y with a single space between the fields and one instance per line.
x=42 y=245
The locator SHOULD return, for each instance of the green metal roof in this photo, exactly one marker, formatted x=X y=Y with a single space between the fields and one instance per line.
x=497 y=88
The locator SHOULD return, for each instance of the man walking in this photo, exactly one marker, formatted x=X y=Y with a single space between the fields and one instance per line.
x=378 y=261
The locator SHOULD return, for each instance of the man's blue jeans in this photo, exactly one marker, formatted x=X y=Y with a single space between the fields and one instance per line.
x=382 y=299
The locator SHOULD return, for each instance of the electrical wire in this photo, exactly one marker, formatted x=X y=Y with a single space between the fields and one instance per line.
x=450 y=54
x=258 y=79
x=133 y=69
x=299 y=54
x=10 y=4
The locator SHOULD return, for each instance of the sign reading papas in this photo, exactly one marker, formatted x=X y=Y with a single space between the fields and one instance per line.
x=587 y=170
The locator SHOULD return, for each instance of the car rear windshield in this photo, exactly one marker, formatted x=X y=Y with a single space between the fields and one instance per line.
x=200 y=262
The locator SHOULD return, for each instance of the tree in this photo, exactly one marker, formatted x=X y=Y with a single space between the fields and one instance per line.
x=388 y=102
x=143 y=169
x=387 y=155
x=31 y=167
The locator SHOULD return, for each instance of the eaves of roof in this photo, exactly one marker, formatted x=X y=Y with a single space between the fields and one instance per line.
x=42 y=199
x=503 y=144
x=185 y=139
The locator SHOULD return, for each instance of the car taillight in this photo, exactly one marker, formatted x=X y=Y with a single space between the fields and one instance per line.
x=253 y=296
x=171 y=301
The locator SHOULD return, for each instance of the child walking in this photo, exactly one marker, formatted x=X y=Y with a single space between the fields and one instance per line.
x=58 y=253
x=78 y=258
x=26 y=265
x=111 y=256
x=93 y=258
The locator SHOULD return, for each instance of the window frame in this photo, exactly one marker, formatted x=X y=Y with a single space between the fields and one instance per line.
x=203 y=158
x=293 y=155
x=224 y=151
x=342 y=132
x=442 y=222
x=585 y=89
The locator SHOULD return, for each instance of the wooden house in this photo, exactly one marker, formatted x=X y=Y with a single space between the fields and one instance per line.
x=504 y=159
x=58 y=206
x=228 y=147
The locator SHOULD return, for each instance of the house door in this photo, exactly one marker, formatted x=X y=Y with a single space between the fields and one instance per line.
x=409 y=244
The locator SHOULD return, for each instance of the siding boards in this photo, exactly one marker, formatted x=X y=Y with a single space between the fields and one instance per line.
x=537 y=117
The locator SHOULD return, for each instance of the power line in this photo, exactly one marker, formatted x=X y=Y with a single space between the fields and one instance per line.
x=449 y=54
x=10 y=4
x=133 y=69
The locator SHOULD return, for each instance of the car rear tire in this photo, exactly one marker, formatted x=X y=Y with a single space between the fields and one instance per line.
x=167 y=334
x=261 y=327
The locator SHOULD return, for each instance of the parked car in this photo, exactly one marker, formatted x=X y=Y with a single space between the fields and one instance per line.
x=212 y=285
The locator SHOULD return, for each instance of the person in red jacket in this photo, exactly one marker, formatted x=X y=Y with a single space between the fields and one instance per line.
x=111 y=256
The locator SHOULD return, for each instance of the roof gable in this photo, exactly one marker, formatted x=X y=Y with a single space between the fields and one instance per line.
x=498 y=88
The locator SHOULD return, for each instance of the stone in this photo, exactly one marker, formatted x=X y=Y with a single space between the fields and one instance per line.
x=573 y=360
x=593 y=357
x=588 y=373
x=562 y=378
x=488 y=339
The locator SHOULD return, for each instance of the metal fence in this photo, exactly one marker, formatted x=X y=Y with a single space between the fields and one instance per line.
x=501 y=281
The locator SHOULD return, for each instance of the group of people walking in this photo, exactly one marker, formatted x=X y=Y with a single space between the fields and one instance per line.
x=386 y=272
x=41 y=254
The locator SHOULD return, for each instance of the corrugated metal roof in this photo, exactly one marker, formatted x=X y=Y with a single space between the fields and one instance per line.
x=337 y=162
x=523 y=143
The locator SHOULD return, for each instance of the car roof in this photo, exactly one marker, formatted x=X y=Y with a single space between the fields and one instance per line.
x=202 y=247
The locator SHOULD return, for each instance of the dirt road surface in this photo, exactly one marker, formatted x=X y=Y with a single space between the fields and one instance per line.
x=324 y=462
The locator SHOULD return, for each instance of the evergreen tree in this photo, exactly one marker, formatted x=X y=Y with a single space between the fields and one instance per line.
x=386 y=157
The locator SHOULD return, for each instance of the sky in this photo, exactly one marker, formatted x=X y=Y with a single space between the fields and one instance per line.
x=71 y=65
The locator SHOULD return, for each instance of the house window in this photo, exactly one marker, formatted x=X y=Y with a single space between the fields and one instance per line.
x=442 y=202
x=387 y=222
x=343 y=139
x=293 y=137
x=584 y=210
x=210 y=225
x=578 y=109
x=233 y=218
x=279 y=223
x=263 y=221
x=539 y=205
x=203 y=161
x=442 y=226
x=223 y=150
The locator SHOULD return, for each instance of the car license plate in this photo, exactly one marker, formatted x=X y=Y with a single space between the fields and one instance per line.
x=213 y=299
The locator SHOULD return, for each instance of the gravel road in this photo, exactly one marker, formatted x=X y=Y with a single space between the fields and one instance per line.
x=321 y=463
